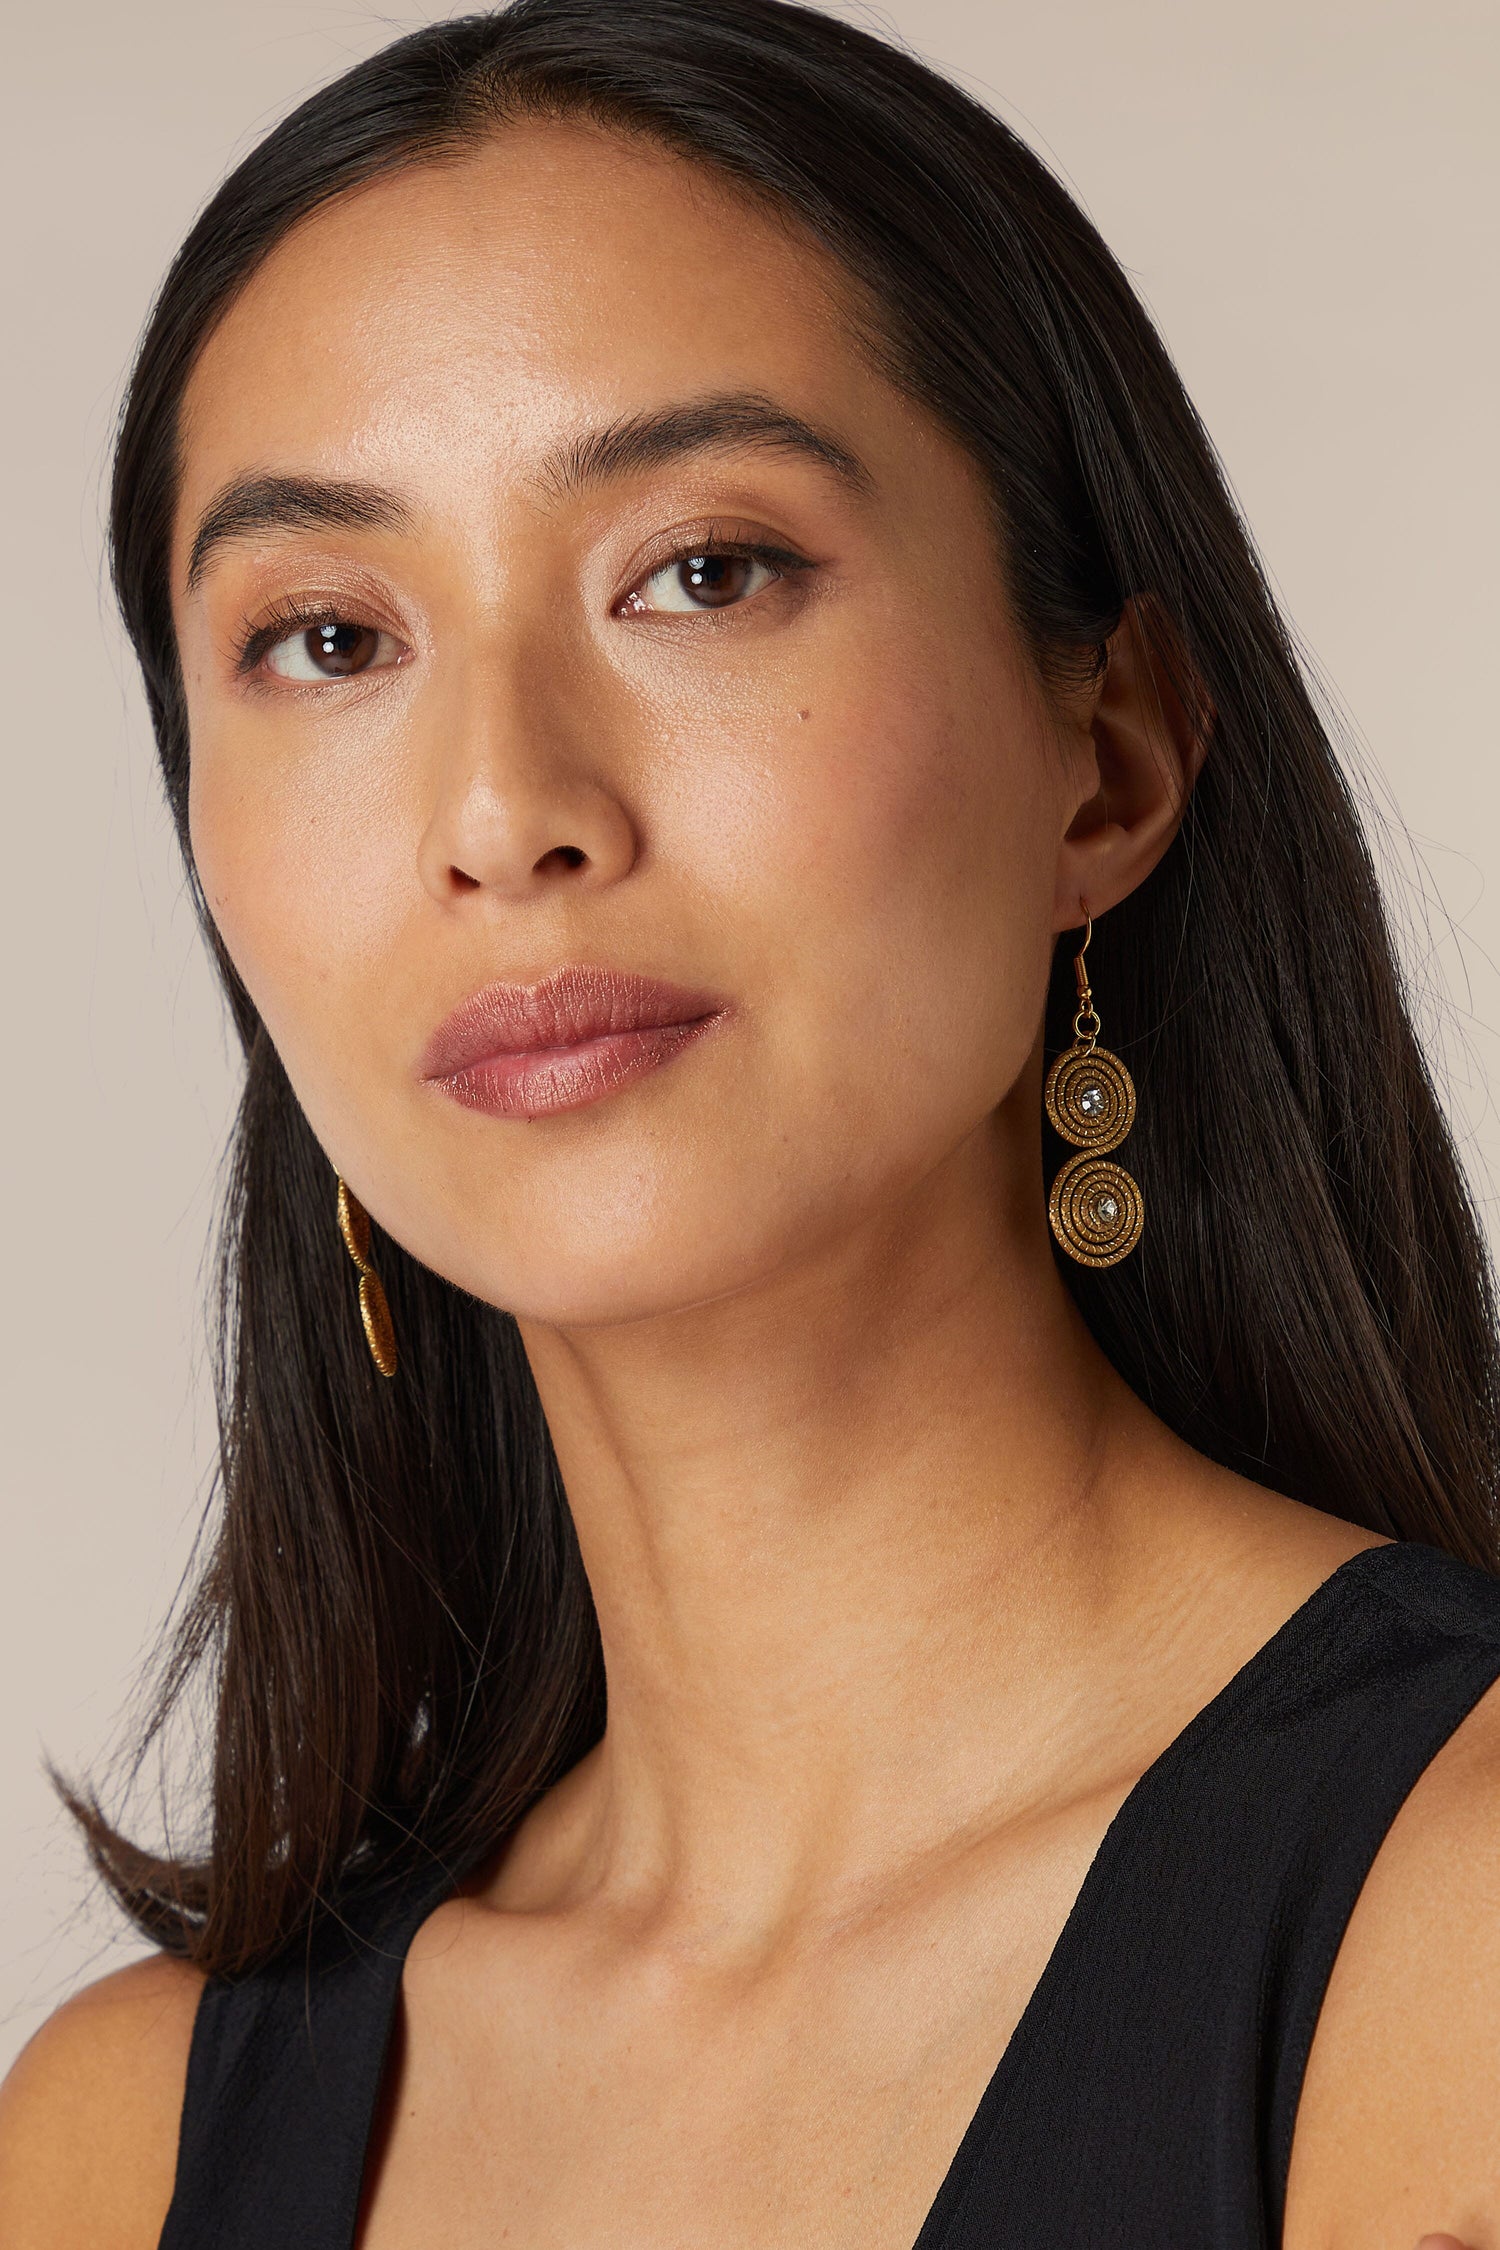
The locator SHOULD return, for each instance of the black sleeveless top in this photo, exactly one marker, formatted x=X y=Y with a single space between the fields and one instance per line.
x=1147 y=2097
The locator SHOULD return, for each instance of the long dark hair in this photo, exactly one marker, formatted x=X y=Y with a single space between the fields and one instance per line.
x=392 y=1614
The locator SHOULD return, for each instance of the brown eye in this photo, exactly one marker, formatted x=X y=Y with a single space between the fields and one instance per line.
x=714 y=579
x=335 y=649
x=708 y=581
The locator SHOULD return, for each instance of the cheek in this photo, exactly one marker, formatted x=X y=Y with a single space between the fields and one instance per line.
x=917 y=843
x=298 y=864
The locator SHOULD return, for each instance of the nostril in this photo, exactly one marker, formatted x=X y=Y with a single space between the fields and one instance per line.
x=569 y=855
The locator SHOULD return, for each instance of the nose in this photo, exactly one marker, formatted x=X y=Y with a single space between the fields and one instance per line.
x=520 y=798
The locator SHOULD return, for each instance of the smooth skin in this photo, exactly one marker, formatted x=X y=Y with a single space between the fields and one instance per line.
x=900 y=1588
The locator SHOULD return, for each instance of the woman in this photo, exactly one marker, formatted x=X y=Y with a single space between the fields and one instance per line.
x=832 y=1159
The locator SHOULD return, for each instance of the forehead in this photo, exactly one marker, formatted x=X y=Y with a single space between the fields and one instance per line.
x=487 y=303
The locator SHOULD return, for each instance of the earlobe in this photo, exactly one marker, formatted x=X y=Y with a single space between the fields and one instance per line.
x=1149 y=732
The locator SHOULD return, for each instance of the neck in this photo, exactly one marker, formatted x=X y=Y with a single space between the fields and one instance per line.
x=852 y=1535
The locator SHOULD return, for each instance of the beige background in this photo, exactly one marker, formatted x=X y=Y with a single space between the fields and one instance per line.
x=1305 y=191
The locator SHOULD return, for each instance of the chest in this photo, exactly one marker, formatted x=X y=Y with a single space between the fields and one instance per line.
x=750 y=2153
x=545 y=2092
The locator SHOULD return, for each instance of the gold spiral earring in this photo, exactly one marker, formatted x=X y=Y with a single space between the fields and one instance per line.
x=380 y=1335
x=1096 y=1210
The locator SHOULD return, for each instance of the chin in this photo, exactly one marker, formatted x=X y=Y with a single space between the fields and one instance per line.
x=560 y=1269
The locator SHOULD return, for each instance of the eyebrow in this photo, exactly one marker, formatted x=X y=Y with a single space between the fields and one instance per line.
x=624 y=447
x=665 y=433
x=264 y=503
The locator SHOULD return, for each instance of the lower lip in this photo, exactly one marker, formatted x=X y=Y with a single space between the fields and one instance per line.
x=544 y=1079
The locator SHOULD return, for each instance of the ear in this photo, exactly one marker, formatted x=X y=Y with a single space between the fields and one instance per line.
x=1145 y=731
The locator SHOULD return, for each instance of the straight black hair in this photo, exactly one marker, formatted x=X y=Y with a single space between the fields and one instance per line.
x=393 y=1614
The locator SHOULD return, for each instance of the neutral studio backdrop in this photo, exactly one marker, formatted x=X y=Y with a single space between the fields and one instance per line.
x=1305 y=192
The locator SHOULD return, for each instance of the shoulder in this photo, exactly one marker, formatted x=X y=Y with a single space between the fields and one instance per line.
x=1398 y=2130
x=89 y=2113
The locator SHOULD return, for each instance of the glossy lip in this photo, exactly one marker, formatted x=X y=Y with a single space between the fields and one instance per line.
x=516 y=1050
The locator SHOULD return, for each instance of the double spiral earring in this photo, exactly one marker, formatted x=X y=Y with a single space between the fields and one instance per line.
x=380 y=1335
x=1096 y=1210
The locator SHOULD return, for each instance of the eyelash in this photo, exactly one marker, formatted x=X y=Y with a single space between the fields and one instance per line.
x=254 y=645
x=710 y=543
x=288 y=618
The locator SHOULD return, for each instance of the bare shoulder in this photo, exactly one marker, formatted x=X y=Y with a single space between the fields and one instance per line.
x=1398 y=2131
x=89 y=2114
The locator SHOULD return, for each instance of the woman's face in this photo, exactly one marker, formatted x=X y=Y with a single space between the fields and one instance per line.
x=462 y=714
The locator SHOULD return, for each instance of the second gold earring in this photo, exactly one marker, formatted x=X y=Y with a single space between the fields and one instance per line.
x=374 y=1312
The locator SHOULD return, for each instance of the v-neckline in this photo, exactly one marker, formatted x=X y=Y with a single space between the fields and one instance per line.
x=1131 y=1817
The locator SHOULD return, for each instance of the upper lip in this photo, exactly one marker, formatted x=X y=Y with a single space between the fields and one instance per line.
x=564 y=1008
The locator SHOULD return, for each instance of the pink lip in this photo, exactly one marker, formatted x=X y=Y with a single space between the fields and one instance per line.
x=517 y=1050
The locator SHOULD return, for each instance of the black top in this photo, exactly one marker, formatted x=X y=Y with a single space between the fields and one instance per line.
x=1147 y=2096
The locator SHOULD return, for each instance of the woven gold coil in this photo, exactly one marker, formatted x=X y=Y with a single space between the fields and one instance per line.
x=1090 y=1097
x=354 y=1226
x=1096 y=1210
x=380 y=1334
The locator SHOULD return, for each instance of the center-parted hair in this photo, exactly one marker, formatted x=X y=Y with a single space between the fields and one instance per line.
x=392 y=1616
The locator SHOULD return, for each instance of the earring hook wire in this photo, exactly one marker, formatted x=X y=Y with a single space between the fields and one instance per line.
x=1086 y=1011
